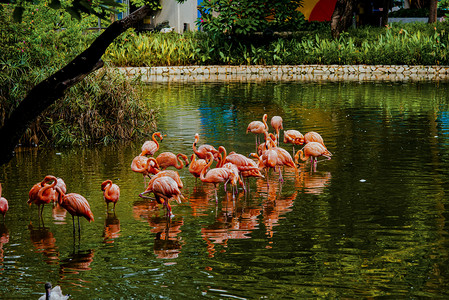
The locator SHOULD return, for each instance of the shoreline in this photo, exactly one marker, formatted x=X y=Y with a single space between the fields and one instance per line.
x=313 y=73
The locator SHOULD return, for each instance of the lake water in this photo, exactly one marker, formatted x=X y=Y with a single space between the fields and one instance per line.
x=370 y=222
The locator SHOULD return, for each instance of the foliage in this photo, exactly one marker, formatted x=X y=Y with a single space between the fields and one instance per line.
x=412 y=44
x=103 y=108
x=42 y=43
x=245 y=17
x=154 y=49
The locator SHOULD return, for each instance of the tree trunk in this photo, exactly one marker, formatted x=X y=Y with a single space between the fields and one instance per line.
x=48 y=91
x=433 y=11
x=341 y=19
x=386 y=8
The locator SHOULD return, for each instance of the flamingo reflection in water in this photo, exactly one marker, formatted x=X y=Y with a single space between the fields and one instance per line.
x=167 y=242
x=71 y=267
x=232 y=222
x=4 y=239
x=44 y=242
x=275 y=204
x=111 y=229
x=312 y=182
x=199 y=199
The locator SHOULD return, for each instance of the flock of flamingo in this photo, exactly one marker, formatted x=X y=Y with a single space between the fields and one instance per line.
x=166 y=185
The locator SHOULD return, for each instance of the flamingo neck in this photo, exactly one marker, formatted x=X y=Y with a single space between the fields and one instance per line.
x=46 y=187
x=264 y=119
x=178 y=160
x=209 y=163
x=222 y=149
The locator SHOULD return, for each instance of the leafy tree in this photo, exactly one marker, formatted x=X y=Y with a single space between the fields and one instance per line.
x=231 y=17
x=49 y=90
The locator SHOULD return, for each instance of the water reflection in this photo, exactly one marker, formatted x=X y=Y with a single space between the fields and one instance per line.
x=370 y=222
x=71 y=267
x=167 y=243
x=233 y=221
x=312 y=182
x=59 y=214
x=111 y=229
x=4 y=239
x=44 y=242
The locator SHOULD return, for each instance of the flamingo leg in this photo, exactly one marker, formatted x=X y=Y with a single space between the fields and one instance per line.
x=79 y=227
x=216 y=195
x=73 y=220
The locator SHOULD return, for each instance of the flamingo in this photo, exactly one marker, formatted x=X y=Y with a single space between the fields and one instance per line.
x=169 y=173
x=216 y=175
x=276 y=156
x=42 y=193
x=313 y=136
x=258 y=127
x=276 y=123
x=150 y=147
x=196 y=166
x=144 y=165
x=169 y=159
x=269 y=138
x=312 y=150
x=246 y=166
x=3 y=204
x=111 y=192
x=54 y=294
x=76 y=205
x=293 y=137
x=164 y=188
x=204 y=149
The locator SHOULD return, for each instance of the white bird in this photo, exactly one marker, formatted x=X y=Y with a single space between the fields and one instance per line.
x=53 y=294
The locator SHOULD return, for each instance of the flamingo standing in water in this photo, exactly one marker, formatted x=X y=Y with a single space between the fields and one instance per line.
x=313 y=136
x=170 y=173
x=111 y=192
x=42 y=193
x=196 y=166
x=269 y=139
x=3 y=204
x=217 y=175
x=144 y=165
x=76 y=205
x=169 y=159
x=150 y=147
x=246 y=166
x=202 y=150
x=293 y=137
x=276 y=123
x=258 y=127
x=312 y=150
x=164 y=188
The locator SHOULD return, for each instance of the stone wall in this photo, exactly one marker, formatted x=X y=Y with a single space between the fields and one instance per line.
x=293 y=73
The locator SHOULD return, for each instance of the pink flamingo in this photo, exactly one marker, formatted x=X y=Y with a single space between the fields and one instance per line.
x=111 y=192
x=150 y=147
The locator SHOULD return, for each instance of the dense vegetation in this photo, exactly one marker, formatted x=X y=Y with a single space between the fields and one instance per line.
x=107 y=107
x=403 y=44
x=104 y=107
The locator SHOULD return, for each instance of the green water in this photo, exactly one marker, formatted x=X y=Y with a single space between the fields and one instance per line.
x=370 y=222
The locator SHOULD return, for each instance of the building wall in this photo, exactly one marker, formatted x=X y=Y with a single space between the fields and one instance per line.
x=178 y=15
